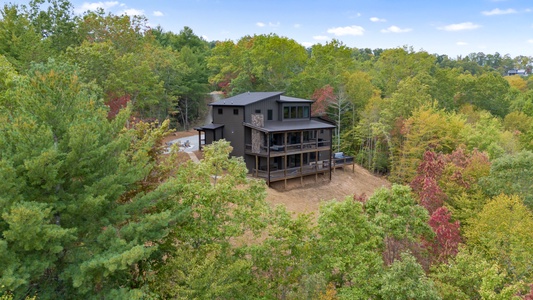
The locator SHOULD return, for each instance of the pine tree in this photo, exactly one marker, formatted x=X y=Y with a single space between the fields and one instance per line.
x=75 y=217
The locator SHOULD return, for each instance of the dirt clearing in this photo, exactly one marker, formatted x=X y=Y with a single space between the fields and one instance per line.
x=307 y=199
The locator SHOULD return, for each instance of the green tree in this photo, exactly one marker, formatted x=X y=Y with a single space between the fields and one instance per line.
x=55 y=22
x=401 y=220
x=325 y=66
x=283 y=260
x=256 y=63
x=502 y=232
x=19 y=41
x=470 y=276
x=405 y=279
x=207 y=272
x=395 y=65
x=511 y=175
x=75 y=216
x=349 y=247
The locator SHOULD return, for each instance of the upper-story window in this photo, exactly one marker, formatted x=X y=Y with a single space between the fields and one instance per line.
x=235 y=111
x=296 y=112
x=269 y=115
x=220 y=111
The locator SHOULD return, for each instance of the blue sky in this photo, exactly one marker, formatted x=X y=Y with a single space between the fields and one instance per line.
x=449 y=27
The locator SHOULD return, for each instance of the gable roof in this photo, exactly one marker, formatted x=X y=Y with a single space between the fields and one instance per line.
x=245 y=98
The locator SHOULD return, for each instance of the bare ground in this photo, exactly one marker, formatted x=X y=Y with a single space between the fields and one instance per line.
x=343 y=184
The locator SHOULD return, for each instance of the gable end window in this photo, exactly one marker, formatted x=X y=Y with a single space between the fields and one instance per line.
x=220 y=111
x=257 y=111
x=235 y=111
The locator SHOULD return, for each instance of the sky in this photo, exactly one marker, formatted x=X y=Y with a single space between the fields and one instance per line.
x=451 y=27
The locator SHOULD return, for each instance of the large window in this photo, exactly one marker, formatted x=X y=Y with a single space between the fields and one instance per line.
x=296 y=112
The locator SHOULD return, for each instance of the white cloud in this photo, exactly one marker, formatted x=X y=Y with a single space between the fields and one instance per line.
x=297 y=25
x=460 y=26
x=348 y=30
x=158 y=13
x=321 y=37
x=376 y=19
x=307 y=44
x=260 y=24
x=461 y=43
x=396 y=29
x=270 y=24
x=498 y=11
x=95 y=5
x=133 y=12
x=530 y=41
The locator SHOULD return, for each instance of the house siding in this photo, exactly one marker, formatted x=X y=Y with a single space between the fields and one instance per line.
x=264 y=106
x=233 y=129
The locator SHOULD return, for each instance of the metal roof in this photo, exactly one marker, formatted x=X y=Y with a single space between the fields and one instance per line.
x=209 y=126
x=245 y=98
x=279 y=126
x=286 y=99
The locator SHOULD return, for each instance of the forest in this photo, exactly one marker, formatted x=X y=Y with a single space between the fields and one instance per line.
x=91 y=206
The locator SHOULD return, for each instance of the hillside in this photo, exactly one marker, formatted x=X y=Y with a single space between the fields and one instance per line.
x=307 y=199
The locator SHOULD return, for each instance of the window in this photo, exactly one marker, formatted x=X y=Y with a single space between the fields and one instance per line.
x=306 y=112
x=269 y=115
x=235 y=111
x=257 y=111
x=220 y=111
x=296 y=112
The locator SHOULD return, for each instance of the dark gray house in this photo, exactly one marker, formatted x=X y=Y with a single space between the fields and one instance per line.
x=275 y=134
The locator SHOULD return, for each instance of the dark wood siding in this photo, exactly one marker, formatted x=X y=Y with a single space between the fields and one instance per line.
x=233 y=128
x=264 y=106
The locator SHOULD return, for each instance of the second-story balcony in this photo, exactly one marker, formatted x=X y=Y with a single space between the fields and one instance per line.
x=290 y=148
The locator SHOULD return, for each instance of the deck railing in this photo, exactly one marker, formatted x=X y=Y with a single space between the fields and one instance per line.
x=290 y=148
x=310 y=169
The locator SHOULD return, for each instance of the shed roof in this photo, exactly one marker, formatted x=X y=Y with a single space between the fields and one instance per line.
x=280 y=126
x=245 y=98
x=211 y=126
x=286 y=99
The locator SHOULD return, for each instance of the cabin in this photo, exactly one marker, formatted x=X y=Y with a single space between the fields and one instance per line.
x=275 y=134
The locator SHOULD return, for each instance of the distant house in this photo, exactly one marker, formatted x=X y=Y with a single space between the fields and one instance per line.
x=275 y=134
x=520 y=72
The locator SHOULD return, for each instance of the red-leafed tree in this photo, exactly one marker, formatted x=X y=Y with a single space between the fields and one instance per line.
x=447 y=235
x=425 y=184
x=323 y=98
x=116 y=103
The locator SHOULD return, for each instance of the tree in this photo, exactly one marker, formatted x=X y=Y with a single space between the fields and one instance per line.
x=502 y=232
x=395 y=65
x=75 y=216
x=517 y=82
x=349 y=248
x=405 y=279
x=402 y=222
x=511 y=175
x=256 y=63
x=123 y=32
x=447 y=235
x=19 y=41
x=284 y=259
x=471 y=276
x=325 y=66
x=57 y=24
x=425 y=184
